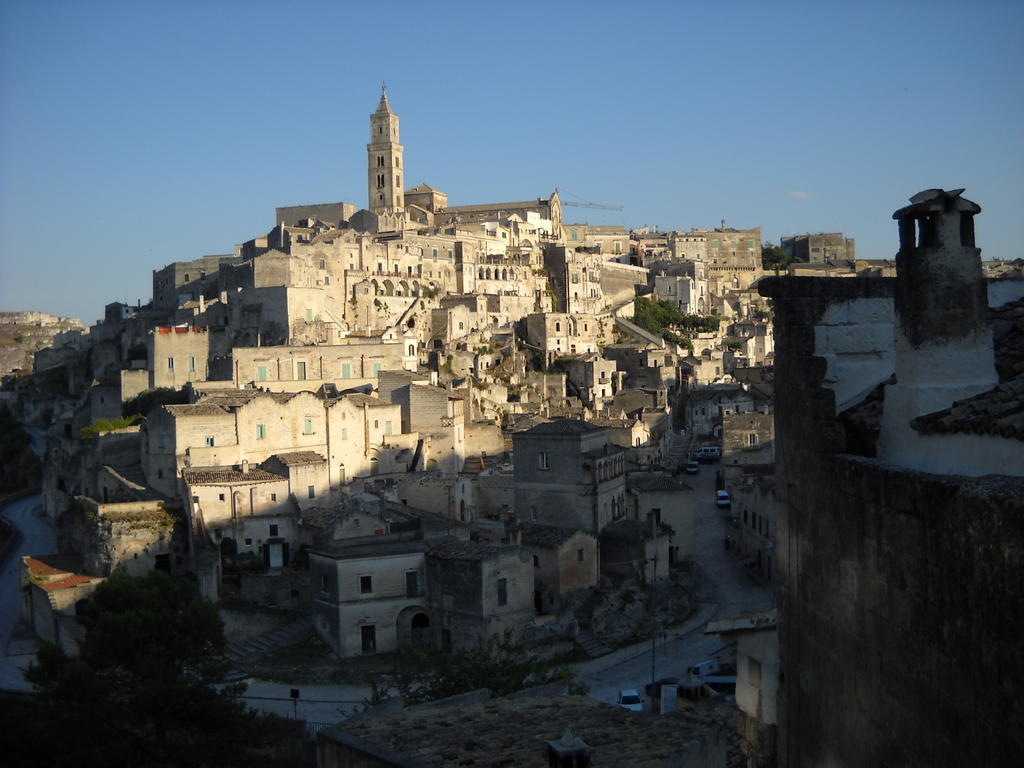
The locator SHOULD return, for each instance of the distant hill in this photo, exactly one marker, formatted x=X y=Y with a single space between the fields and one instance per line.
x=22 y=334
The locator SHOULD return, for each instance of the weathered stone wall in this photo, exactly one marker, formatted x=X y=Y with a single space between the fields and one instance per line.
x=619 y=282
x=901 y=592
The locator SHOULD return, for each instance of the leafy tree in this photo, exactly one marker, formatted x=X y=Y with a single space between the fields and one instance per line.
x=773 y=257
x=149 y=399
x=658 y=316
x=498 y=663
x=148 y=686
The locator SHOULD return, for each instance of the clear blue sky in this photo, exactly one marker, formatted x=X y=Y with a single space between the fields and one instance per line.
x=134 y=134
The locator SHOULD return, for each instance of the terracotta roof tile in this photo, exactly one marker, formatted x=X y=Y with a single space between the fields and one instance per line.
x=227 y=476
x=72 y=580
x=40 y=568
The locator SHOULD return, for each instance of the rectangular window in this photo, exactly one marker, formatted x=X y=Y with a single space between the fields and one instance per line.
x=307 y=426
x=325 y=582
x=191 y=364
x=300 y=370
x=377 y=368
x=346 y=370
x=502 y=592
x=365 y=585
x=579 y=555
x=209 y=441
x=261 y=373
x=344 y=433
x=248 y=542
x=753 y=671
x=261 y=431
x=412 y=584
x=369 y=638
x=542 y=460
x=309 y=315
x=311 y=490
x=170 y=363
x=273 y=497
x=752 y=439
x=220 y=497
x=273 y=530
x=387 y=427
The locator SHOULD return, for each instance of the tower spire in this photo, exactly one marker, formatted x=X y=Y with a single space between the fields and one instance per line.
x=384 y=105
x=384 y=156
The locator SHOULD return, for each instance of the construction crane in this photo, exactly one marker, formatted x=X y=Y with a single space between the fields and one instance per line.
x=587 y=204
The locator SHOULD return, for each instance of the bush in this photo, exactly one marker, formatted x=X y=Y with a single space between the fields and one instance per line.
x=106 y=425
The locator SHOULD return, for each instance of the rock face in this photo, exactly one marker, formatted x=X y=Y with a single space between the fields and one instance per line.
x=22 y=334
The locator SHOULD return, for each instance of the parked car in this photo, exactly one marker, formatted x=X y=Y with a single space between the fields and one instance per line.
x=723 y=499
x=629 y=698
x=716 y=675
x=692 y=467
x=708 y=453
x=654 y=689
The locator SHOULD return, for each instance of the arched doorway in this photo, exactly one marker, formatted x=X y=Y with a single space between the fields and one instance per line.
x=413 y=628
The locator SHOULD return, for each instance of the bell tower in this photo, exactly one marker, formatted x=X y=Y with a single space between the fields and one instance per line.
x=384 y=154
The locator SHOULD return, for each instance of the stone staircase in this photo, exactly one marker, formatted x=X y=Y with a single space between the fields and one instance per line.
x=252 y=648
x=591 y=645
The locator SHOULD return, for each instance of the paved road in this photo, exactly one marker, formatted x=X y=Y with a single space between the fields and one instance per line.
x=37 y=538
x=726 y=588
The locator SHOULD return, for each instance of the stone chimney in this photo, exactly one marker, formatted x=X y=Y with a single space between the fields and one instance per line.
x=943 y=334
x=245 y=466
x=568 y=752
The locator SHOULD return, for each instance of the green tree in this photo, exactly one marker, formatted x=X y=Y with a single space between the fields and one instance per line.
x=148 y=686
x=774 y=258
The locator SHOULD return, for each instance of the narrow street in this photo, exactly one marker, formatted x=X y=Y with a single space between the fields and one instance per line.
x=725 y=588
x=37 y=537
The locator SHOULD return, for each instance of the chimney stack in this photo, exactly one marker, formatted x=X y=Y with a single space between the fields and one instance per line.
x=943 y=334
x=245 y=466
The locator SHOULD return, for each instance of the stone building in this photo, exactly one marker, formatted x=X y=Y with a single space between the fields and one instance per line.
x=753 y=521
x=568 y=474
x=250 y=506
x=593 y=378
x=707 y=407
x=900 y=593
x=476 y=590
x=55 y=594
x=575 y=278
x=177 y=355
x=369 y=596
x=185 y=281
x=671 y=503
x=757 y=680
x=607 y=240
x=354 y=363
x=563 y=560
x=748 y=439
x=559 y=334
x=822 y=248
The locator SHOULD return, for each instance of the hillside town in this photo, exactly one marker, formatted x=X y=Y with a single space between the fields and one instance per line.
x=410 y=424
